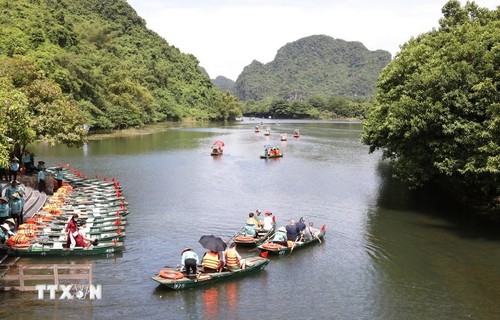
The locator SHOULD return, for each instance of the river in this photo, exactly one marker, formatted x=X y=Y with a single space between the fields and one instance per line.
x=388 y=253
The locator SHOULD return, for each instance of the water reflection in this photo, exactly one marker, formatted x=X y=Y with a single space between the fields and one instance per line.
x=386 y=254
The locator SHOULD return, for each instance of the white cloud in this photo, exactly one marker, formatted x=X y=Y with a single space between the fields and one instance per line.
x=227 y=35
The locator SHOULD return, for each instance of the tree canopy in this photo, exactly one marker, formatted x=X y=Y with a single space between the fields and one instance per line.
x=437 y=107
x=69 y=63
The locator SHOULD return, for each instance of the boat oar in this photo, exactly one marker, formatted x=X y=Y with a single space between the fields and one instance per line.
x=235 y=235
x=294 y=243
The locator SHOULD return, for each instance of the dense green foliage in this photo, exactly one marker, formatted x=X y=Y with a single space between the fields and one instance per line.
x=314 y=66
x=311 y=108
x=100 y=59
x=437 y=113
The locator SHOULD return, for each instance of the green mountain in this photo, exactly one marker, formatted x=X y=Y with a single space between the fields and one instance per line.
x=225 y=84
x=102 y=58
x=318 y=65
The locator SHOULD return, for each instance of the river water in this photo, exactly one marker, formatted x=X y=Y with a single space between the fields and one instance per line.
x=388 y=253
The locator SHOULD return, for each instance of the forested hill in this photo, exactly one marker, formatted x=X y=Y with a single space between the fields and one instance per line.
x=104 y=60
x=318 y=65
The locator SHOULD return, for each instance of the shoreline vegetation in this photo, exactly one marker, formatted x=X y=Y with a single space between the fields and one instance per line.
x=164 y=126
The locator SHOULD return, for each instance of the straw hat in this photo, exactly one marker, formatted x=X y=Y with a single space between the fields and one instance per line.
x=5 y=226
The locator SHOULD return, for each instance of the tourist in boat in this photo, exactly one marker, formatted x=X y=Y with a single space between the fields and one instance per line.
x=16 y=209
x=292 y=233
x=4 y=209
x=59 y=176
x=310 y=232
x=72 y=231
x=212 y=262
x=301 y=224
x=233 y=258
x=189 y=261
x=266 y=152
x=251 y=225
x=257 y=218
x=267 y=221
x=280 y=236
x=81 y=239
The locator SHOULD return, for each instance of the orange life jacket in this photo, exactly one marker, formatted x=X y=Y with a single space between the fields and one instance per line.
x=232 y=259
x=210 y=260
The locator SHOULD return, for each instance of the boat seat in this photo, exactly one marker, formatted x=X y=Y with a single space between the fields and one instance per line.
x=57 y=245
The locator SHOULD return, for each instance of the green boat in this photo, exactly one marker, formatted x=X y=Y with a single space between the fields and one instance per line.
x=279 y=249
x=94 y=221
x=242 y=240
x=61 y=237
x=57 y=249
x=178 y=281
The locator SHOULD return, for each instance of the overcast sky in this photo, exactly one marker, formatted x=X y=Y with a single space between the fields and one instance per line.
x=227 y=35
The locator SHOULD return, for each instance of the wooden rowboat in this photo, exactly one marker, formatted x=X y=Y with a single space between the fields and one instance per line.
x=278 y=249
x=248 y=241
x=272 y=157
x=57 y=249
x=178 y=281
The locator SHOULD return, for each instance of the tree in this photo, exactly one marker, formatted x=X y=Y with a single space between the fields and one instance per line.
x=35 y=108
x=436 y=113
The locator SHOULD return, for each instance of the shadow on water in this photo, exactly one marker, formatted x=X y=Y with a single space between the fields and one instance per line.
x=435 y=203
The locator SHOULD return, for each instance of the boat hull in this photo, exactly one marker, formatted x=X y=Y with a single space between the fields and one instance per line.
x=282 y=250
x=41 y=250
x=273 y=157
x=254 y=265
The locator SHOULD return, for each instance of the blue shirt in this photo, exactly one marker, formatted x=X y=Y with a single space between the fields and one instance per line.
x=14 y=166
x=279 y=236
x=292 y=232
x=4 y=209
x=301 y=225
x=59 y=175
x=41 y=175
x=16 y=206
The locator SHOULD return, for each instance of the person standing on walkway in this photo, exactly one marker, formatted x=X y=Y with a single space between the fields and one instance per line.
x=42 y=186
x=13 y=168
x=16 y=209
x=4 y=209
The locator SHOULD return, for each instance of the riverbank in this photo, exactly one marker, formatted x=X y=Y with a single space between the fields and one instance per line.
x=147 y=129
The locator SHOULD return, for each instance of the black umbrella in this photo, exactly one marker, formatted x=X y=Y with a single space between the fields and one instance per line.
x=212 y=243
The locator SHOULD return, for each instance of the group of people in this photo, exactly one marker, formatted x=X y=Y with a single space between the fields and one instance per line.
x=294 y=232
x=76 y=236
x=26 y=166
x=272 y=152
x=46 y=179
x=255 y=224
x=212 y=261
x=12 y=203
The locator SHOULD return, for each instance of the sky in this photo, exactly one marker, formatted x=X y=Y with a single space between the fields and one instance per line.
x=227 y=35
